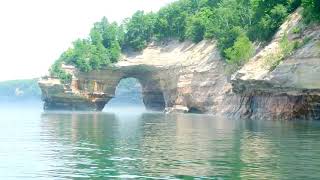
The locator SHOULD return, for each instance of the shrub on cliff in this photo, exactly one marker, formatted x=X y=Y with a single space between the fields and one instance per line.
x=311 y=10
x=241 y=50
x=57 y=71
x=100 y=49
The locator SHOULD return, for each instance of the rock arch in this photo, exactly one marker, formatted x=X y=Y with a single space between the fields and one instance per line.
x=152 y=93
x=128 y=93
x=93 y=90
x=174 y=76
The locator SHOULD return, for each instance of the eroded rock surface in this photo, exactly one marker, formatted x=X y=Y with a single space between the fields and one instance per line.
x=186 y=77
x=292 y=89
x=173 y=76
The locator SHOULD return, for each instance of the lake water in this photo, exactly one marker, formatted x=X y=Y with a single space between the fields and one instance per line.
x=134 y=144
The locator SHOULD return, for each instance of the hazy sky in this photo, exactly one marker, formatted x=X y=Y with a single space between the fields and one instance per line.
x=33 y=33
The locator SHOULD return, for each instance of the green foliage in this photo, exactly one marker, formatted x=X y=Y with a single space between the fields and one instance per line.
x=233 y=23
x=171 y=20
x=300 y=43
x=267 y=25
x=318 y=44
x=311 y=10
x=100 y=49
x=273 y=60
x=227 y=40
x=306 y=40
x=139 y=30
x=287 y=47
x=296 y=30
x=114 y=53
x=58 y=72
x=196 y=25
x=241 y=51
x=107 y=39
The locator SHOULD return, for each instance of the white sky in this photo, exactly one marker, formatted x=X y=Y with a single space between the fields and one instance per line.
x=33 y=33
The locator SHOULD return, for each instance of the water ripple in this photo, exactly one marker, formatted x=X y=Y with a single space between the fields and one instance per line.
x=155 y=146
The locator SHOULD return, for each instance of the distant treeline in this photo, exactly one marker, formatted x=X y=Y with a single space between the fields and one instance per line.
x=235 y=24
x=19 y=89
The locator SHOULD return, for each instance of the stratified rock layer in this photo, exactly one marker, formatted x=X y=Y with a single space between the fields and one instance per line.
x=187 y=77
x=174 y=77
x=57 y=96
x=291 y=90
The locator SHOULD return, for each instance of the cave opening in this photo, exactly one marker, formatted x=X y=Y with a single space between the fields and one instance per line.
x=128 y=95
x=195 y=110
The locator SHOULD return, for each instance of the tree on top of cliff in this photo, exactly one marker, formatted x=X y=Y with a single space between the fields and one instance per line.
x=196 y=20
x=241 y=51
x=100 y=49
x=139 y=30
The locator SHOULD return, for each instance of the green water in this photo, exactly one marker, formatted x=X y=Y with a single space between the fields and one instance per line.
x=127 y=145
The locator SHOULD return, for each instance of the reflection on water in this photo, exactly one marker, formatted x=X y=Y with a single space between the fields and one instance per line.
x=101 y=145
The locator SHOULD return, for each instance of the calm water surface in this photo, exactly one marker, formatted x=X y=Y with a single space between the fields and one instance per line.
x=128 y=144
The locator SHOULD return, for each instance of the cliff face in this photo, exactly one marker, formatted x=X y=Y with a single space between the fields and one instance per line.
x=291 y=89
x=187 y=77
x=174 y=76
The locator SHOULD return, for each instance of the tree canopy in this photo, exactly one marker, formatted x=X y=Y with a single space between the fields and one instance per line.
x=235 y=24
x=311 y=10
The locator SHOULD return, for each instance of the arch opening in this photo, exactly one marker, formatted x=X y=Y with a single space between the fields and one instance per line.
x=195 y=110
x=128 y=94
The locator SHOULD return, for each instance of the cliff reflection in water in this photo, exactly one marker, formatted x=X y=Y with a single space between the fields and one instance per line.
x=156 y=145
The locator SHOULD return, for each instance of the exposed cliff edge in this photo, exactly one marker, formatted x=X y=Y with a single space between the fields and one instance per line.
x=187 y=77
x=173 y=76
x=291 y=89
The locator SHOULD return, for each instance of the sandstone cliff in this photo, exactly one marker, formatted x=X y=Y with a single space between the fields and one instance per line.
x=291 y=89
x=187 y=77
x=174 y=76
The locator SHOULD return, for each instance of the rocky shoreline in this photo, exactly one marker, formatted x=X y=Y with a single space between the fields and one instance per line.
x=186 y=77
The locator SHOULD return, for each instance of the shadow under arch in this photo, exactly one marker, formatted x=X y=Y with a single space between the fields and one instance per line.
x=151 y=89
x=128 y=93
